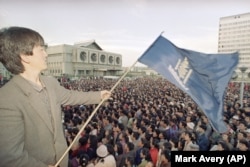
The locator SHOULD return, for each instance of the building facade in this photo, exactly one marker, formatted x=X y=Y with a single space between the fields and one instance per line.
x=85 y=59
x=234 y=35
x=4 y=74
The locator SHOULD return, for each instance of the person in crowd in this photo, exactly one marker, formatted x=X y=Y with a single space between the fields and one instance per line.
x=243 y=145
x=190 y=144
x=165 y=158
x=226 y=137
x=145 y=157
x=108 y=137
x=202 y=139
x=222 y=146
x=142 y=144
x=93 y=145
x=205 y=121
x=129 y=161
x=107 y=123
x=182 y=127
x=239 y=136
x=118 y=153
x=135 y=140
x=174 y=144
x=129 y=133
x=105 y=156
x=31 y=125
x=154 y=149
x=248 y=134
x=82 y=146
x=123 y=118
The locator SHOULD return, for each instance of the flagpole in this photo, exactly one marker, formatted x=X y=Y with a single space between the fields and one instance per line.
x=92 y=114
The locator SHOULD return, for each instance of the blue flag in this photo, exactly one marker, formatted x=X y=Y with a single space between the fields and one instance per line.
x=204 y=77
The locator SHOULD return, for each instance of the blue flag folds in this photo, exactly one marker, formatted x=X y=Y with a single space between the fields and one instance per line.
x=204 y=77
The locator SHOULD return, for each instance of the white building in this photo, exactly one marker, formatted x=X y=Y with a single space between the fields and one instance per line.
x=234 y=35
x=85 y=59
x=5 y=74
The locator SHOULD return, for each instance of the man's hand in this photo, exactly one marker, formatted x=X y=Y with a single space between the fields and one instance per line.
x=105 y=94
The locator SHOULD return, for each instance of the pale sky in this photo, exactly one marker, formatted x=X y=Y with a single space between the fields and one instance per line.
x=127 y=27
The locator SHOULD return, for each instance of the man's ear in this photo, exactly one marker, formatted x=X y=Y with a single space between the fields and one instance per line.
x=25 y=58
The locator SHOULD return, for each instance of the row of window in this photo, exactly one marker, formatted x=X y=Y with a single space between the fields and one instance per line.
x=234 y=27
x=246 y=31
x=239 y=47
x=55 y=64
x=234 y=50
x=55 y=71
x=93 y=57
x=235 y=23
x=229 y=34
x=245 y=58
x=82 y=72
x=233 y=40
x=241 y=44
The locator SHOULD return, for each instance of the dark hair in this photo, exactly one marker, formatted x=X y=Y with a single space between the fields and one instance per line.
x=175 y=141
x=121 y=126
x=83 y=140
x=167 y=154
x=130 y=145
x=155 y=143
x=184 y=123
x=143 y=129
x=203 y=126
x=110 y=149
x=93 y=141
x=119 y=148
x=15 y=41
x=146 y=153
x=190 y=135
x=136 y=135
x=83 y=160
x=130 y=159
x=245 y=142
x=167 y=145
x=224 y=145
x=75 y=131
x=130 y=131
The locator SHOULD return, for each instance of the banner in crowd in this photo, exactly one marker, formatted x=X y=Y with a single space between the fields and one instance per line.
x=204 y=77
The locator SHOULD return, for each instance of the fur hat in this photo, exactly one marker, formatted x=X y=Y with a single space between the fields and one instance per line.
x=102 y=151
x=190 y=125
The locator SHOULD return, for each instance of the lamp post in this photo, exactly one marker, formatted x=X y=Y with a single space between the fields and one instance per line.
x=243 y=70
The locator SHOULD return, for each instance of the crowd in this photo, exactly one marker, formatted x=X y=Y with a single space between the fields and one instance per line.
x=145 y=120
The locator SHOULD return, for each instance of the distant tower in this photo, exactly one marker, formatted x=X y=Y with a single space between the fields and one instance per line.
x=234 y=35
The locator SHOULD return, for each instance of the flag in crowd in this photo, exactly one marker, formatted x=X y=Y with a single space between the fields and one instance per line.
x=204 y=77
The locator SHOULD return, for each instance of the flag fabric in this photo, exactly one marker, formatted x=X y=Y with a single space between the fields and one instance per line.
x=204 y=77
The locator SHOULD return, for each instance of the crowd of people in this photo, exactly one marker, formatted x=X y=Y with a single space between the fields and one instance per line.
x=145 y=120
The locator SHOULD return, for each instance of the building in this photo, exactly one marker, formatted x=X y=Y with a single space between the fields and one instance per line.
x=234 y=35
x=138 y=71
x=4 y=74
x=84 y=59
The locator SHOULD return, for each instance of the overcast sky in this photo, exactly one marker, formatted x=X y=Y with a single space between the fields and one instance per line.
x=126 y=27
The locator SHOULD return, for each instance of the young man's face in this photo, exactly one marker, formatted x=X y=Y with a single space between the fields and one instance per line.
x=38 y=61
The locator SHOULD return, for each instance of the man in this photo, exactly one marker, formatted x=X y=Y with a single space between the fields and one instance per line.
x=202 y=139
x=30 y=104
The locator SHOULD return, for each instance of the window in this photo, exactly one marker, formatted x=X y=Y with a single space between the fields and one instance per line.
x=93 y=57
x=83 y=56
x=117 y=60
x=111 y=59
x=103 y=57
